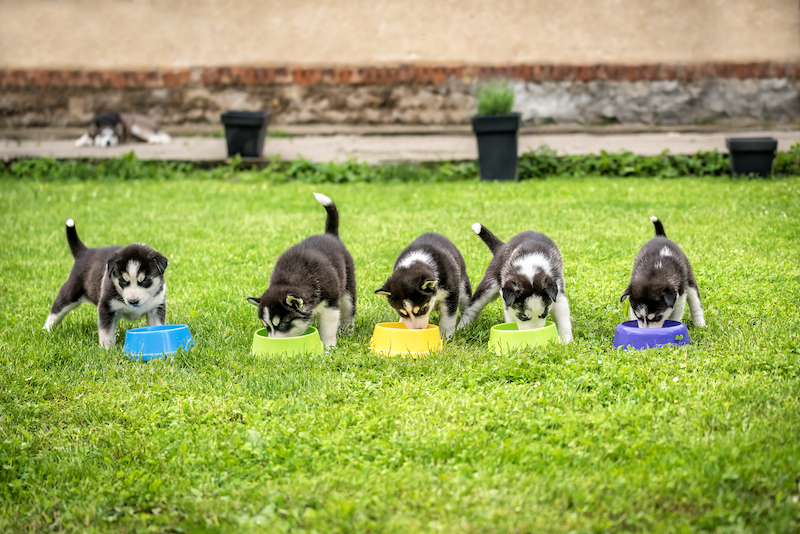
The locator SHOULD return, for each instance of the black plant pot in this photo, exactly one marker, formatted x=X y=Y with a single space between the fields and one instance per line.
x=751 y=155
x=497 y=145
x=245 y=132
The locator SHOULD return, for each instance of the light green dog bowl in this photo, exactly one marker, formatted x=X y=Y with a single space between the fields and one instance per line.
x=507 y=337
x=308 y=342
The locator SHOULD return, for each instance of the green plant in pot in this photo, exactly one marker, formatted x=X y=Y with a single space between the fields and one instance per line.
x=496 y=128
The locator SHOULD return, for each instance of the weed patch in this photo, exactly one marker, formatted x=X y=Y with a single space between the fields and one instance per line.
x=541 y=163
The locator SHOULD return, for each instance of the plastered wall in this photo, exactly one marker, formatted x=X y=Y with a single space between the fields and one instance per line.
x=153 y=34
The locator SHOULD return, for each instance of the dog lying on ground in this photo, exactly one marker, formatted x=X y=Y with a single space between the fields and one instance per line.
x=123 y=282
x=661 y=282
x=111 y=129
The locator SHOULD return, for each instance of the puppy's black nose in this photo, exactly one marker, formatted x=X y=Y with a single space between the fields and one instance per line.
x=133 y=302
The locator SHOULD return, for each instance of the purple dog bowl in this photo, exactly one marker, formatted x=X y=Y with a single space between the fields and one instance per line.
x=628 y=335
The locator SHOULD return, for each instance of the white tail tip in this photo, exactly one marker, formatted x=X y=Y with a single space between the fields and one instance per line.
x=322 y=199
x=70 y=223
x=477 y=228
x=653 y=219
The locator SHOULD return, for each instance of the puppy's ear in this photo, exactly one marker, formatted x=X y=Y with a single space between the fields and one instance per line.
x=254 y=301
x=551 y=289
x=626 y=294
x=384 y=290
x=510 y=294
x=670 y=296
x=161 y=263
x=428 y=286
x=110 y=266
x=294 y=302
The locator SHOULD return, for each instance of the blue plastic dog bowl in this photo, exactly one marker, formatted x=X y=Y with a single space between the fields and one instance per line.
x=151 y=342
x=628 y=335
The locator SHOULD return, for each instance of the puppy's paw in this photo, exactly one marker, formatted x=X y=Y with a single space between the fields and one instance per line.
x=84 y=140
x=161 y=138
x=51 y=322
x=108 y=341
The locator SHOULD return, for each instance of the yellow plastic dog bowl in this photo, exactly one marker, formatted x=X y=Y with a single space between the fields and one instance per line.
x=394 y=339
x=308 y=342
x=507 y=337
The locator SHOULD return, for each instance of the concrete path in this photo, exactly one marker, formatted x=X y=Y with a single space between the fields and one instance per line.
x=381 y=146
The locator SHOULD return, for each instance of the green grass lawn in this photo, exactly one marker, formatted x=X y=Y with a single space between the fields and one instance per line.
x=579 y=438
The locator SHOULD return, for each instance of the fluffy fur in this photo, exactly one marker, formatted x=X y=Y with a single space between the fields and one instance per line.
x=123 y=282
x=314 y=279
x=661 y=283
x=111 y=129
x=528 y=272
x=429 y=274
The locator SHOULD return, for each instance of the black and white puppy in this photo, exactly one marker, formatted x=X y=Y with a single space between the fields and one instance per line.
x=123 y=282
x=429 y=274
x=111 y=129
x=661 y=282
x=528 y=272
x=314 y=279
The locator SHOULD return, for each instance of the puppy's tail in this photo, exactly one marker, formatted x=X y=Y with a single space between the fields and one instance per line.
x=76 y=246
x=487 y=236
x=659 y=227
x=332 y=221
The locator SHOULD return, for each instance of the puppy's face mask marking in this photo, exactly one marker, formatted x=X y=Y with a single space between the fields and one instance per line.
x=415 y=310
x=529 y=312
x=134 y=284
x=529 y=303
x=645 y=318
x=415 y=317
x=105 y=137
x=286 y=318
x=649 y=312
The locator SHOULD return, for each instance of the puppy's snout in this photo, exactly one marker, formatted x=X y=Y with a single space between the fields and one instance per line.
x=416 y=324
x=133 y=302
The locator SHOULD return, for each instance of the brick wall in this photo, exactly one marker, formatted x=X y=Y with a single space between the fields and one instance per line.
x=244 y=76
x=546 y=93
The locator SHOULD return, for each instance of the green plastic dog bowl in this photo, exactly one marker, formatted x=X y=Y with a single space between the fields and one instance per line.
x=507 y=337
x=307 y=343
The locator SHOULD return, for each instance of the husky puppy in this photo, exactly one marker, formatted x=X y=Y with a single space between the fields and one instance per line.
x=123 y=282
x=314 y=279
x=528 y=272
x=429 y=274
x=111 y=129
x=661 y=282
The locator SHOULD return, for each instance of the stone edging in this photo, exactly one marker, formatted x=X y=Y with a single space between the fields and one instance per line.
x=246 y=76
